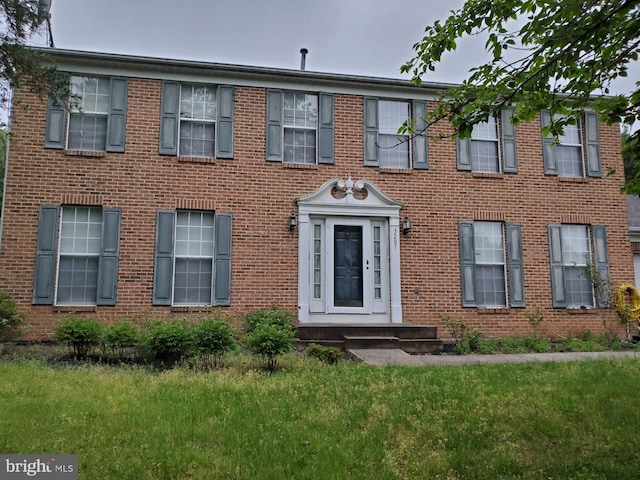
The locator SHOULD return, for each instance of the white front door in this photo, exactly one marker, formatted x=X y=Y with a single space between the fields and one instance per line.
x=349 y=278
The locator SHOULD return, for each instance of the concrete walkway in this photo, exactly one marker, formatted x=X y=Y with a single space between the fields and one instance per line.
x=384 y=357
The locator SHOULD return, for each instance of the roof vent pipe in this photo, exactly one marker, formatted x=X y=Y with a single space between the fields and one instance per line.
x=303 y=58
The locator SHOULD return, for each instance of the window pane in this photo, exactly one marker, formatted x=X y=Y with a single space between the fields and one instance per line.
x=300 y=110
x=485 y=130
x=393 y=151
x=484 y=156
x=77 y=280
x=490 y=264
x=198 y=102
x=299 y=145
x=87 y=132
x=578 y=288
x=569 y=161
x=391 y=116
x=192 y=282
x=575 y=245
x=197 y=139
x=490 y=286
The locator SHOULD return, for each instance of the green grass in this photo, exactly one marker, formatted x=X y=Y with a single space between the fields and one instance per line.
x=313 y=421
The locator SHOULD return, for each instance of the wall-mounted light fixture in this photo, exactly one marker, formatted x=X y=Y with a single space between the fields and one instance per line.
x=293 y=222
x=406 y=226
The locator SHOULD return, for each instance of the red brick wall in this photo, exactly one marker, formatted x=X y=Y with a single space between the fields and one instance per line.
x=261 y=194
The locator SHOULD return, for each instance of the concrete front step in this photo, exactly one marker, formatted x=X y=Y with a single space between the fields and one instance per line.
x=412 y=339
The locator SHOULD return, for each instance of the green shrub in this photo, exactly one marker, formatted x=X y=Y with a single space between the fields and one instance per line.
x=578 y=345
x=325 y=354
x=537 y=345
x=270 y=316
x=213 y=338
x=487 y=347
x=120 y=338
x=512 y=345
x=469 y=342
x=270 y=340
x=80 y=334
x=167 y=342
x=11 y=320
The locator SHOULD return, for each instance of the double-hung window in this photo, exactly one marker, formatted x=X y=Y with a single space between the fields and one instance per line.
x=574 y=152
x=95 y=119
x=197 y=120
x=193 y=258
x=77 y=255
x=88 y=114
x=491 y=265
x=384 y=146
x=300 y=123
x=300 y=127
x=570 y=251
x=491 y=148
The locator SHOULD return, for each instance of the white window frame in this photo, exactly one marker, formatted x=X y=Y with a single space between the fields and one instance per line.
x=388 y=125
x=178 y=256
x=581 y=262
x=568 y=139
x=478 y=227
x=62 y=252
x=306 y=127
x=78 y=106
x=197 y=120
x=478 y=136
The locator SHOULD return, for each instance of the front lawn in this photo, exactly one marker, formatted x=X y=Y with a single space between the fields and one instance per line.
x=314 y=421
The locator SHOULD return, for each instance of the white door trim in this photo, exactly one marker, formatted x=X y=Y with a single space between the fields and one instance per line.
x=373 y=205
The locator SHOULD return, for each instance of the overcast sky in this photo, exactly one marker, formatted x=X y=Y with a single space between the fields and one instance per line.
x=361 y=37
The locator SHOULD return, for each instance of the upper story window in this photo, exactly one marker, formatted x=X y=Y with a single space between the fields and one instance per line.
x=96 y=118
x=384 y=147
x=300 y=127
x=300 y=123
x=491 y=148
x=570 y=252
x=197 y=120
x=88 y=113
x=77 y=255
x=574 y=152
x=492 y=275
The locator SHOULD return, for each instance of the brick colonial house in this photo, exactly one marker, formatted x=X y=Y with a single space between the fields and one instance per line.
x=174 y=187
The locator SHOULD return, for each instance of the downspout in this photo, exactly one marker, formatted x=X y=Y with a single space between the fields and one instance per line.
x=6 y=167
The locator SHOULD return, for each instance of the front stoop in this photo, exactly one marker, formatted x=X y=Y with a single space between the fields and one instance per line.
x=412 y=339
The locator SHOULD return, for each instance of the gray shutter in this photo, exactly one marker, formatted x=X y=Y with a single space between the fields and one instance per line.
x=54 y=128
x=516 y=271
x=371 y=132
x=463 y=149
x=169 y=118
x=46 y=252
x=224 y=126
x=420 y=136
x=163 y=265
x=509 y=155
x=274 y=125
x=222 y=259
x=467 y=264
x=548 y=153
x=326 y=125
x=592 y=144
x=117 y=120
x=600 y=250
x=557 y=270
x=109 y=257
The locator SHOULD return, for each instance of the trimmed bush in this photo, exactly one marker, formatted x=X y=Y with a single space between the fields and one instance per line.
x=213 y=338
x=120 y=338
x=270 y=316
x=82 y=335
x=11 y=320
x=325 y=354
x=270 y=341
x=167 y=342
